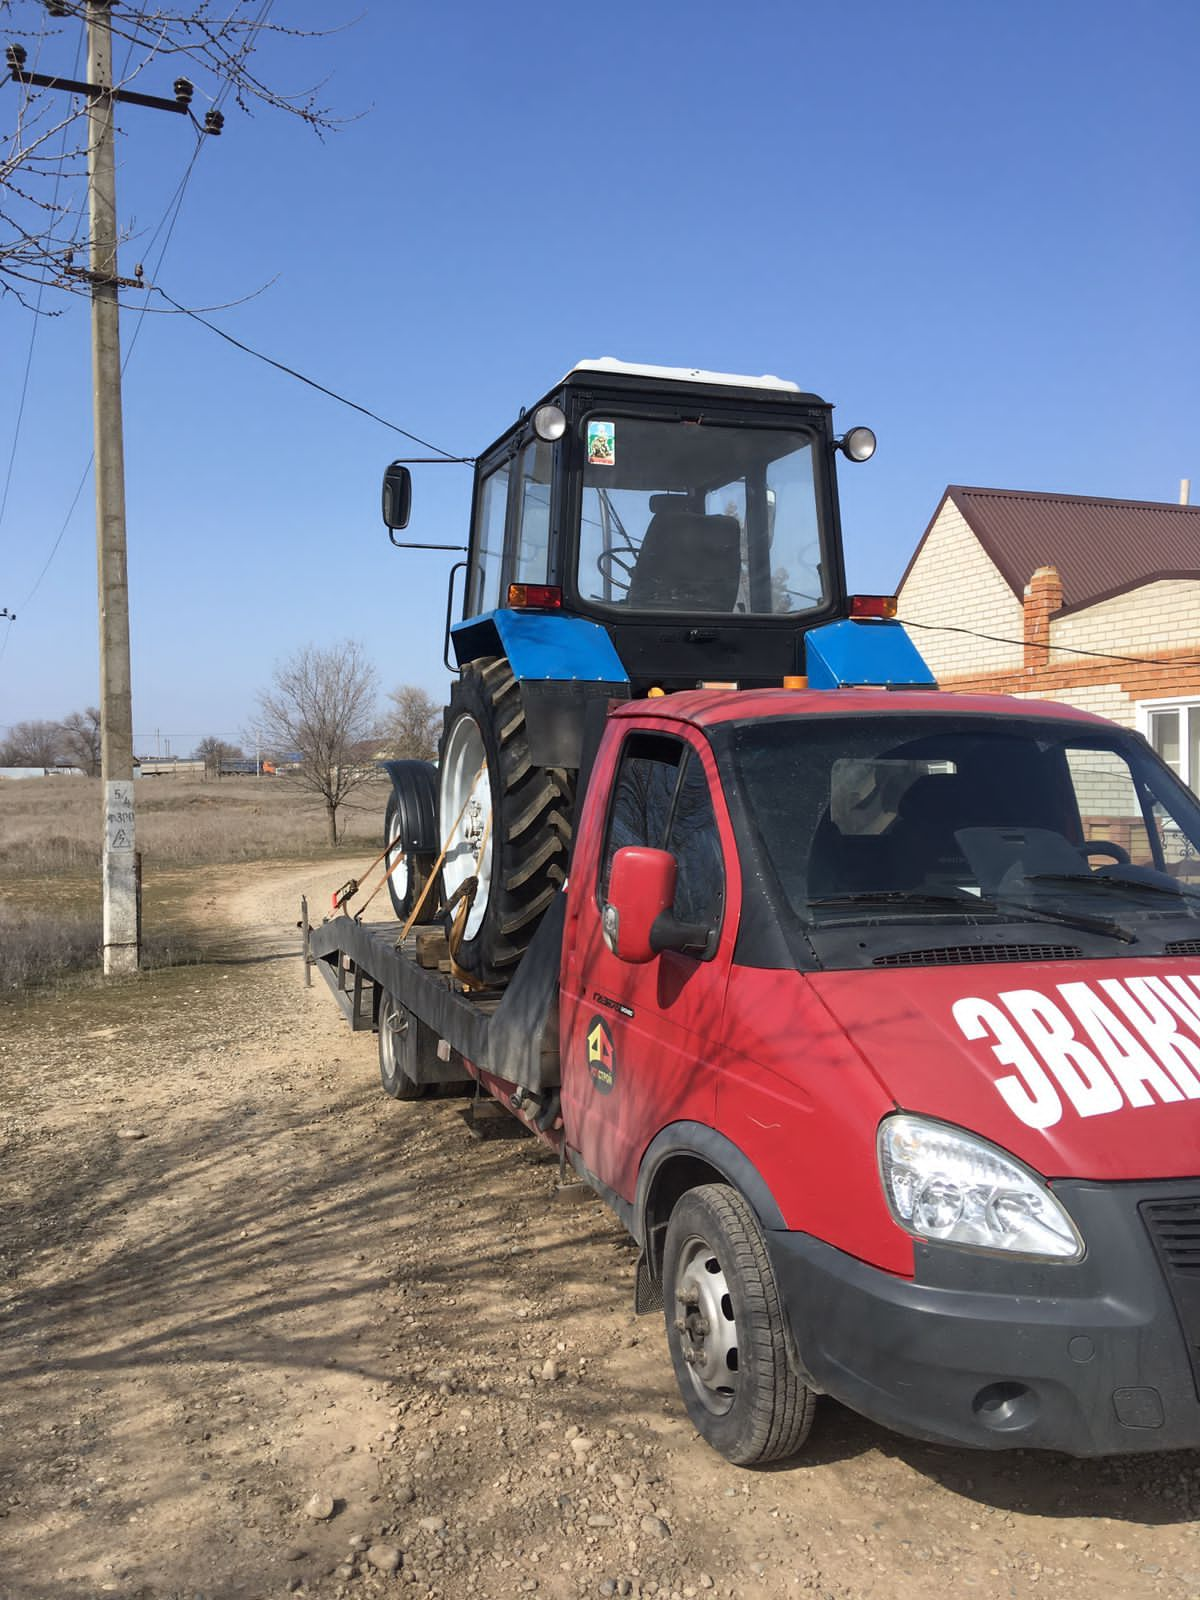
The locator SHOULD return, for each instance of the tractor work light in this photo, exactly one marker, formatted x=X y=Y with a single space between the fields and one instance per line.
x=881 y=607
x=857 y=445
x=534 y=596
x=549 y=423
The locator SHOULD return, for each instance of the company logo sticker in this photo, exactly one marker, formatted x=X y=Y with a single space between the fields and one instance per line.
x=1096 y=1048
x=602 y=1058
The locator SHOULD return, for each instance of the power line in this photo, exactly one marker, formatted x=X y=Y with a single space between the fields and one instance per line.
x=37 y=307
x=172 y=210
x=312 y=382
x=1067 y=649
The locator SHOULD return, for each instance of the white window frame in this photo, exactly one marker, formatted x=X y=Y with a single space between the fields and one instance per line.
x=1183 y=704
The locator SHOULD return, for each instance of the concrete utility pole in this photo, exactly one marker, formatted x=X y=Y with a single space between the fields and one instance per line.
x=122 y=922
x=121 y=931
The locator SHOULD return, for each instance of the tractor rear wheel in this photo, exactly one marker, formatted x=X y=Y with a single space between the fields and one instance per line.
x=409 y=834
x=508 y=822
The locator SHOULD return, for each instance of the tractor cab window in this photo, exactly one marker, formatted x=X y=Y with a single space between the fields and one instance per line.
x=531 y=555
x=699 y=518
x=487 y=543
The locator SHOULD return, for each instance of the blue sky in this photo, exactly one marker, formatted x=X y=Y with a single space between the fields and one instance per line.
x=973 y=226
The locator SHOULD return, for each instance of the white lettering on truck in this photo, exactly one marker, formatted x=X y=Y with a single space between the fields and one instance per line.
x=1137 y=1043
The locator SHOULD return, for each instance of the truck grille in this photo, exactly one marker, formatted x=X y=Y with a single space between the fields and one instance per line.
x=1183 y=947
x=1174 y=1228
x=959 y=954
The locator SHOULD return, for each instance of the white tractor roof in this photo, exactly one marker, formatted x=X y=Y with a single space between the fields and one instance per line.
x=686 y=374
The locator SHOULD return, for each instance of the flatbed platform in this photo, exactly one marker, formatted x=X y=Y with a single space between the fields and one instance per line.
x=511 y=1034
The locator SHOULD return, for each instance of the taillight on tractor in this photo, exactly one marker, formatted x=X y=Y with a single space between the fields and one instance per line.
x=880 y=607
x=534 y=597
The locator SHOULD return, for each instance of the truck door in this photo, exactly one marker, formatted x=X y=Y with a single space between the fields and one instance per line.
x=639 y=1041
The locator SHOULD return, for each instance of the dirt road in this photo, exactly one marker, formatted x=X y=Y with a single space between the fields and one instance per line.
x=240 y=1289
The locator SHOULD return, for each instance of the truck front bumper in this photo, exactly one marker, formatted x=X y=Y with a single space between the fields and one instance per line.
x=1093 y=1357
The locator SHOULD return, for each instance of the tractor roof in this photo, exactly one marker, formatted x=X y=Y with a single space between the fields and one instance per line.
x=634 y=369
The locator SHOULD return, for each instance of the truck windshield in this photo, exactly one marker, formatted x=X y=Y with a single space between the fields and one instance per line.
x=699 y=518
x=907 y=816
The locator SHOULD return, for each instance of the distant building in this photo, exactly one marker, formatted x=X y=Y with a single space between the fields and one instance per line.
x=1023 y=575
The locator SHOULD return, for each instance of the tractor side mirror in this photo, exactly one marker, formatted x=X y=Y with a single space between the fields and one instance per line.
x=638 y=921
x=397 y=496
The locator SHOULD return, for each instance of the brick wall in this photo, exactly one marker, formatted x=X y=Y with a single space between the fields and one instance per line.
x=954 y=581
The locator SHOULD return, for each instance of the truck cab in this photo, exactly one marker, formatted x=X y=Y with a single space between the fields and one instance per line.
x=880 y=1026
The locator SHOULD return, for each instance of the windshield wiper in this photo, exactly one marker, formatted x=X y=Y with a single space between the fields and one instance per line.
x=1069 y=919
x=904 y=897
x=1110 y=882
x=900 y=898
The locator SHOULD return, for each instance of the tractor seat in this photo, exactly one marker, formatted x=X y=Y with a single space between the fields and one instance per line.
x=687 y=562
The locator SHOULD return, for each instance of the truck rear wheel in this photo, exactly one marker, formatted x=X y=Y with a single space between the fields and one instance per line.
x=404 y=1042
x=726 y=1331
x=510 y=820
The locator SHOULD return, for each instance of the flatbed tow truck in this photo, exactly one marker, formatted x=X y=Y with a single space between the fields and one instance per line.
x=873 y=1012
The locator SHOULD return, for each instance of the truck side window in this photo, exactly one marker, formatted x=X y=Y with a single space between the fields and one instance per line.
x=661 y=799
x=696 y=845
x=531 y=556
x=489 y=542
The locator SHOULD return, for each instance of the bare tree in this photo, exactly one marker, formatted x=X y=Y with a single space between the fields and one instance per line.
x=81 y=739
x=32 y=744
x=213 y=751
x=411 y=725
x=321 y=708
x=41 y=221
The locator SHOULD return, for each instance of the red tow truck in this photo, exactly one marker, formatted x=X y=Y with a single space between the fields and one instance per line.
x=874 y=1014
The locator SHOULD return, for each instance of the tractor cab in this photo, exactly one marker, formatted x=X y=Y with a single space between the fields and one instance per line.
x=639 y=530
x=692 y=516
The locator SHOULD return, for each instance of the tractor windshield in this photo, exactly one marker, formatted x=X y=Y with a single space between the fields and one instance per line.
x=699 y=517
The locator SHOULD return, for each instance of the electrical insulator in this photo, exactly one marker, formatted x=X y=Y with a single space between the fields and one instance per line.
x=183 y=92
x=213 y=122
x=15 y=56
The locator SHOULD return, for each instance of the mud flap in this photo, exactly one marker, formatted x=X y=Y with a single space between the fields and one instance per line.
x=647 y=1290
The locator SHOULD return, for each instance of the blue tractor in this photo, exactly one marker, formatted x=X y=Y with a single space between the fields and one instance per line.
x=640 y=530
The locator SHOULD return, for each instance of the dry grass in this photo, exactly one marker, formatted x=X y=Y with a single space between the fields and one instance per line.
x=51 y=826
x=41 y=947
x=50 y=858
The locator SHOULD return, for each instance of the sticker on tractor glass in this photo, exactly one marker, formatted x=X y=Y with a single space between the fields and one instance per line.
x=602 y=444
x=602 y=1058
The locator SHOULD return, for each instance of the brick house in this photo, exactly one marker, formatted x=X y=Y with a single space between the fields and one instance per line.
x=1037 y=572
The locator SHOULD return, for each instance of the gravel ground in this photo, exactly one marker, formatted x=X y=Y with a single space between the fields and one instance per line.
x=266 y=1332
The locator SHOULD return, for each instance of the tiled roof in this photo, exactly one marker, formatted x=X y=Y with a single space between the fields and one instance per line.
x=1100 y=547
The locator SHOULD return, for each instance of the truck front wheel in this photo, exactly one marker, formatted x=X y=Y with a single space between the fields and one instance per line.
x=726 y=1331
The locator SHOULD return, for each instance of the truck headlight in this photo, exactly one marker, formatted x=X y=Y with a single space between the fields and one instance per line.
x=943 y=1184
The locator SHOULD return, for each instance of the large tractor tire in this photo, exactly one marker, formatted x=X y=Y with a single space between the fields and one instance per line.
x=511 y=822
x=410 y=834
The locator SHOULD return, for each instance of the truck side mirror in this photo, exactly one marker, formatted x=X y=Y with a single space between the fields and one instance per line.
x=641 y=887
x=397 y=496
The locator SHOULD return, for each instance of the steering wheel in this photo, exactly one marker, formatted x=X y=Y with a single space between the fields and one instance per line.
x=621 y=561
x=1105 y=847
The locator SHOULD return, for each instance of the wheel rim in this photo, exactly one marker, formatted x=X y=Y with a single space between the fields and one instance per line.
x=465 y=789
x=706 y=1326
x=393 y=1028
x=399 y=878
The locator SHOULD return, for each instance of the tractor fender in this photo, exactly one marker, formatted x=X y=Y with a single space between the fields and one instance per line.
x=562 y=665
x=415 y=784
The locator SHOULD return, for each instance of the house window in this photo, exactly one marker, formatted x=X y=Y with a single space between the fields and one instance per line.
x=1173 y=728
